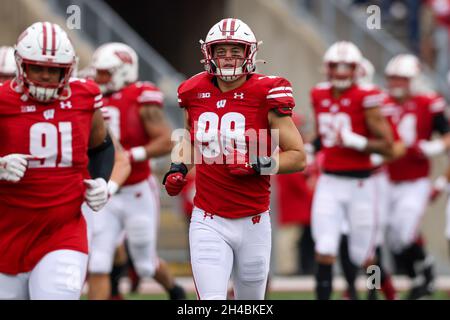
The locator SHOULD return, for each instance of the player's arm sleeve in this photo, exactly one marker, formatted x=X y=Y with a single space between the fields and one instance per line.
x=101 y=159
x=373 y=99
x=279 y=97
x=101 y=148
x=98 y=100
x=150 y=95
x=440 y=121
x=317 y=143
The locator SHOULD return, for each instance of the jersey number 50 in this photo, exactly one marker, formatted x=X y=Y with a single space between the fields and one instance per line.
x=329 y=126
x=44 y=139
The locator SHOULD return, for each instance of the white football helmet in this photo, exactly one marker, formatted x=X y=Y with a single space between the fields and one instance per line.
x=344 y=55
x=366 y=72
x=120 y=60
x=230 y=31
x=7 y=62
x=404 y=66
x=44 y=44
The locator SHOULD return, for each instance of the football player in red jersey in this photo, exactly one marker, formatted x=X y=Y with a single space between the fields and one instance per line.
x=138 y=122
x=120 y=173
x=7 y=63
x=228 y=109
x=57 y=124
x=416 y=117
x=365 y=76
x=350 y=127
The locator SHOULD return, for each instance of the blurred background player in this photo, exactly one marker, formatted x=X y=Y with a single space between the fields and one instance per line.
x=230 y=229
x=350 y=270
x=350 y=126
x=7 y=63
x=120 y=173
x=138 y=122
x=62 y=128
x=415 y=117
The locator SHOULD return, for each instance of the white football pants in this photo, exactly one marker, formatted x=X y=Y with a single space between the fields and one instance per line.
x=344 y=200
x=59 y=275
x=134 y=209
x=408 y=203
x=222 y=248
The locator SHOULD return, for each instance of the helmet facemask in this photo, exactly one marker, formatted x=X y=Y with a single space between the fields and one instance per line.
x=116 y=81
x=43 y=91
x=398 y=87
x=341 y=61
x=107 y=86
x=341 y=75
x=237 y=66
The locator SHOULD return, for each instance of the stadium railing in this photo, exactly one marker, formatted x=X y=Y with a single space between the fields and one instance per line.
x=101 y=24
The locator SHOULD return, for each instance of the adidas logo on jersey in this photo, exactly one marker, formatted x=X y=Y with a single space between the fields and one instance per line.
x=49 y=114
x=221 y=103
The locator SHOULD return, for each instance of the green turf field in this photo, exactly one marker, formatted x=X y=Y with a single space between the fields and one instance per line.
x=440 y=295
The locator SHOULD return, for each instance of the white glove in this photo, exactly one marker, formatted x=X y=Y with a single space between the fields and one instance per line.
x=138 y=154
x=432 y=148
x=113 y=187
x=96 y=194
x=353 y=140
x=13 y=166
x=376 y=159
x=440 y=183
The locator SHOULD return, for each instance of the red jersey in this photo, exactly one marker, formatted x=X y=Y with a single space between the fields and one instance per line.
x=126 y=124
x=346 y=112
x=413 y=121
x=42 y=212
x=223 y=118
x=294 y=198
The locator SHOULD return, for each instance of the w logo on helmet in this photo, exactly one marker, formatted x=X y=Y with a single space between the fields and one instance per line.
x=124 y=56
